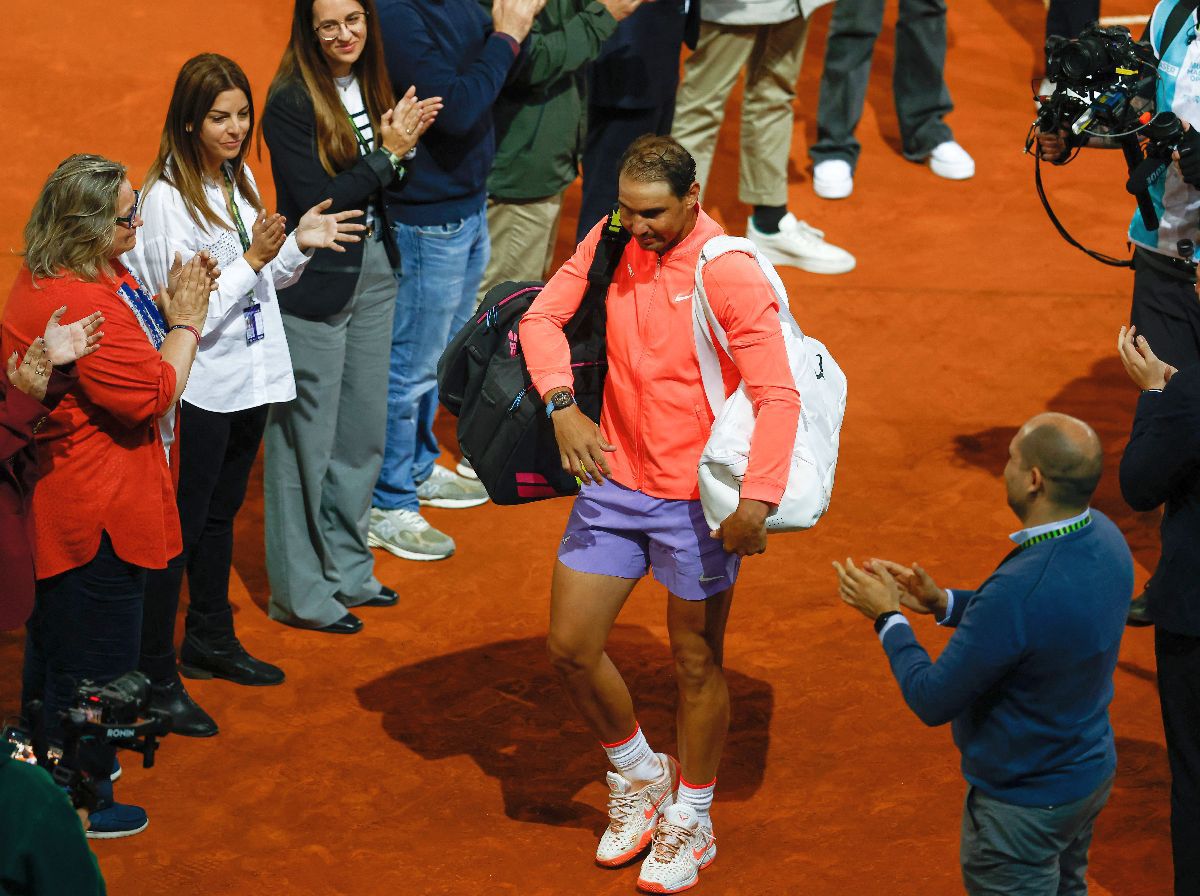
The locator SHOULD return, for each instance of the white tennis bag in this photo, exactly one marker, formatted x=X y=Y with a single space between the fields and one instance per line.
x=822 y=388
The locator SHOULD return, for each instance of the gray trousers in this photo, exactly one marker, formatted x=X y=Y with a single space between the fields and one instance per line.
x=918 y=86
x=324 y=450
x=1009 y=850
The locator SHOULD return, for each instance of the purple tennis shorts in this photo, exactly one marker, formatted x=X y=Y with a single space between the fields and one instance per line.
x=616 y=531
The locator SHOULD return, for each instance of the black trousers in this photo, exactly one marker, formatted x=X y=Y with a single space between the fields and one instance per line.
x=610 y=131
x=216 y=452
x=1166 y=311
x=1178 y=658
x=85 y=625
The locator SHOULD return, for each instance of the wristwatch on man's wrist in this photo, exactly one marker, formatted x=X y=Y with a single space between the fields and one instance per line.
x=558 y=400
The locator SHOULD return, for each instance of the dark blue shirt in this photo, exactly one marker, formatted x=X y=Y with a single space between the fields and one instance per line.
x=446 y=48
x=1026 y=678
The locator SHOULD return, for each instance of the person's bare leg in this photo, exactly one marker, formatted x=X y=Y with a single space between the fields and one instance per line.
x=583 y=608
x=697 y=631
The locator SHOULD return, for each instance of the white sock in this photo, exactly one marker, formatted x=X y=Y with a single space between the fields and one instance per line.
x=633 y=758
x=697 y=798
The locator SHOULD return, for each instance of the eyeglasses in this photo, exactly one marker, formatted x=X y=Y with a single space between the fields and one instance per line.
x=330 y=31
x=127 y=220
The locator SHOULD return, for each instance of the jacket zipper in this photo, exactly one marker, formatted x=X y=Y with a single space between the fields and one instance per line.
x=641 y=443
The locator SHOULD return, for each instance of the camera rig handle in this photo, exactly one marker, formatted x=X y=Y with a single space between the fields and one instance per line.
x=1142 y=172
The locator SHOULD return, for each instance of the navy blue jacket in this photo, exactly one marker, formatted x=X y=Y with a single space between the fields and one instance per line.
x=638 y=68
x=1026 y=678
x=446 y=48
x=1161 y=465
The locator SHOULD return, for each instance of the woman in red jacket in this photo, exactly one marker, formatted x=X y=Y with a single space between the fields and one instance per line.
x=34 y=388
x=104 y=506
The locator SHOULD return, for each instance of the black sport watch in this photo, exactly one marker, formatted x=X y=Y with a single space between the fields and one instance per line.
x=557 y=401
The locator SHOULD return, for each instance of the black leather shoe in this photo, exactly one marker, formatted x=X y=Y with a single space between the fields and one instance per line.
x=230 y=661
x=386 y=598
x=187 y=718
x=347 y=625
x=1139 y=613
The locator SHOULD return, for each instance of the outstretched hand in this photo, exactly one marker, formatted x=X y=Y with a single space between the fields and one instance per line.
x=67 y=344
x=318 y=230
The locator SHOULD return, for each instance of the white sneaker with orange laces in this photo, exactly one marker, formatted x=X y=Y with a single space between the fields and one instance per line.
x=633 y=814
x=682 y=847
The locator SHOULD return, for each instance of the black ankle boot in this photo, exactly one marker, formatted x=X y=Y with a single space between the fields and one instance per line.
x=226 y=659
x=187 y=718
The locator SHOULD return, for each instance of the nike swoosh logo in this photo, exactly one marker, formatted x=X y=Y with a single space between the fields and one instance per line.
x=704 y=580
x=682 y=298
x=653 y=810
x=698 y=854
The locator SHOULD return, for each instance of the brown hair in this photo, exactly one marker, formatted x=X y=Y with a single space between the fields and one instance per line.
x=71 y=226
x=653 y=157
x=180 y=162
x=337 y=147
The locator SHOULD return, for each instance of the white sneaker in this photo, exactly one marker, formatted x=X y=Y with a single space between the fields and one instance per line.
x=833 y=179
x=406 y=534
x=464 y=469
x=445 y=488
x=682 y=848
x=800 y=246
x=951 y=161
x=633 y=814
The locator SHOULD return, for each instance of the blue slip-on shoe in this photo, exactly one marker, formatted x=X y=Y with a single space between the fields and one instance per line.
x=116 y=820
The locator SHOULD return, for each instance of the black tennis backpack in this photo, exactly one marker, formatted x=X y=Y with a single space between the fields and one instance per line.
x=482 y=379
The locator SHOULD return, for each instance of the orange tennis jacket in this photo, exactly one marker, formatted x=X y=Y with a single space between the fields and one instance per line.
x=654 y=409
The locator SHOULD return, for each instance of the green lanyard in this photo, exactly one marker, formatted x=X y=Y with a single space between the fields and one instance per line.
x=233 y=209
x=1056 y=533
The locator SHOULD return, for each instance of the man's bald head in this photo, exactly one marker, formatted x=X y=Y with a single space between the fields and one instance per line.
x=1068 y=453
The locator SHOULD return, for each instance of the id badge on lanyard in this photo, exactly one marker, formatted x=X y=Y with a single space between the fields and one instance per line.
x=254 y=323
x=253 y=312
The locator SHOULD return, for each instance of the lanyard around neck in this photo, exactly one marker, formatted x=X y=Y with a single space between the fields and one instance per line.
x=1056 y=533
x=233 y=210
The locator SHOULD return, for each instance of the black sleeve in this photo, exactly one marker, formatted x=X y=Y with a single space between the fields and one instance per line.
x=289 y=126
x=1165 y=442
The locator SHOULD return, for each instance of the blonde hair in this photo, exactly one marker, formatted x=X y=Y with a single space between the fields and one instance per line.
x=70 y=229
x=180 y=159
x=303 y=61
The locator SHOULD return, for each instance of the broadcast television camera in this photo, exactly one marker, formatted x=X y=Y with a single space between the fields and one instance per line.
x=116 y=713
x=1104 y=87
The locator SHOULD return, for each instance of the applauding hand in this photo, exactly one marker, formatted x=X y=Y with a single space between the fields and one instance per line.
x=318 y=230
x=403 y=126
x=67 y=344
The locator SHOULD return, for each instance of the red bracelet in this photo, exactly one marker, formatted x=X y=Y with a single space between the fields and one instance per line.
x=190 y=329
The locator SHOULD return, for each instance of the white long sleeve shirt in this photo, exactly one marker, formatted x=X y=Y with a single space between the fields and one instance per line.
x=229 y=374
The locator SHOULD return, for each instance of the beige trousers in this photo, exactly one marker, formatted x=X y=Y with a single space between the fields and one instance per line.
x=771 y=55
x=523 y=235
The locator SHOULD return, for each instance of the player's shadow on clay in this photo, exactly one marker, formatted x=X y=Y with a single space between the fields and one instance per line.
x=501 y=704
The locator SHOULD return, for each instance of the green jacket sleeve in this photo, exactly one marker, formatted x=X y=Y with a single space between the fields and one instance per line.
x=558 y=48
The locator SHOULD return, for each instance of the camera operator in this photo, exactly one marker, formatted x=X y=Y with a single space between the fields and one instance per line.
x=1165 y=307
x=43 y=851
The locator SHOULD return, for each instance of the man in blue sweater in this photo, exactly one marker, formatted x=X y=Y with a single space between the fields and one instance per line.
x=1026 y=679
x=453 y=48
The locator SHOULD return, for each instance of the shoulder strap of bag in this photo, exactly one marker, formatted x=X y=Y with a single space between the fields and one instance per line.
x=704 y=320
x=613 y=239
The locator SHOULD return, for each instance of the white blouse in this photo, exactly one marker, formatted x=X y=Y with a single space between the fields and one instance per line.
x=229 y=373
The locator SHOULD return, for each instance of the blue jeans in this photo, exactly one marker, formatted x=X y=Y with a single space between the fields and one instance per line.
x=443 y=266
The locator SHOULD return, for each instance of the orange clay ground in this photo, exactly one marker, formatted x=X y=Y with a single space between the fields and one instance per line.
x=434 y=752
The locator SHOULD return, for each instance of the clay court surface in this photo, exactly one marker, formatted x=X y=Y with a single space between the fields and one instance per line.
x=434 y=752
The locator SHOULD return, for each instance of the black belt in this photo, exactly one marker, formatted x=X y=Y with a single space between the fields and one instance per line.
x=1165 y=264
